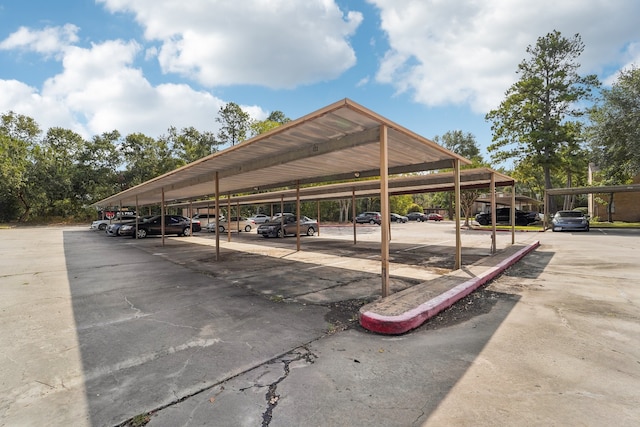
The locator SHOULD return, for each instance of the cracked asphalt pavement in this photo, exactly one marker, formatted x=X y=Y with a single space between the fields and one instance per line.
x=98 y=330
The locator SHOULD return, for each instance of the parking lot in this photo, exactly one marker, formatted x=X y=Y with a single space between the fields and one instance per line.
x=97 y=330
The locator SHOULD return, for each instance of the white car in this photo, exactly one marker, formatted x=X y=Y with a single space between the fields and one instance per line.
x=100 y=224
x=235 y=224
x=260 y=218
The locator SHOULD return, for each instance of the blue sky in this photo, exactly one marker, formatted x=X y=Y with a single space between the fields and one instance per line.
x=145 y=65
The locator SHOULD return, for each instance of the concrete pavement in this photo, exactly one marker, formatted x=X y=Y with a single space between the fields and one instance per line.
x=97 y=330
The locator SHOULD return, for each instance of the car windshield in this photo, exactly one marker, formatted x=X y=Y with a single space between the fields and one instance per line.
x=570 y=214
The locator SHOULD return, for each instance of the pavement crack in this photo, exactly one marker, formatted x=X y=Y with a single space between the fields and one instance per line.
x=133 y=307
x=272 y=397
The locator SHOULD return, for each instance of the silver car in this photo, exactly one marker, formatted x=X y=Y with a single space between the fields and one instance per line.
x=569 y=221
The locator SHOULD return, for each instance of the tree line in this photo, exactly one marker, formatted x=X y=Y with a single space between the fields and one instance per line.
x=551 y=124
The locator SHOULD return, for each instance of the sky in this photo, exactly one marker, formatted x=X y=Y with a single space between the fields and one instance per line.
x=432 y=66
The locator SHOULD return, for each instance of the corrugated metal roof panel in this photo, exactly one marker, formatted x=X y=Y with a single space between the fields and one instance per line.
x=329 y=144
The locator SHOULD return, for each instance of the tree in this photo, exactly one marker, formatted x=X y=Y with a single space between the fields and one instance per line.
x=275 y=119
x=466 y=146
x=18 y=136
x=533 y=122
x=98 y=167
x=56 y=162
x=615 y=130
x=145 y=158
x=190 y=144
x=235 y=123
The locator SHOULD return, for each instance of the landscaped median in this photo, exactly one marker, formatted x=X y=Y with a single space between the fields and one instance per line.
x=410 y=308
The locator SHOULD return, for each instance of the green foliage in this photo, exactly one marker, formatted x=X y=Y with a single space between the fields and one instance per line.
x=534 y=123
x=235 y=124
x=400 y=204
x=18 y=139
x=462 y=144
x=190 y=145
x=415 y=208
x=615 y=130
x=466 y=146
x=275 y=119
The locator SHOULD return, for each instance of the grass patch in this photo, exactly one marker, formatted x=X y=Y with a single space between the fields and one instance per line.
x=615 y=224
x=503 y=227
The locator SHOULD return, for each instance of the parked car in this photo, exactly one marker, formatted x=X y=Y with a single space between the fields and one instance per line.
x=398 y=218
x=570 y=221
x=274 y=227
x=234 y=223
x=260 y=218
x=369 y=218
x=503 y=215
x=173 y=224
x=100 y=224
x=417 y=216
x=434 y=217
x=113 y=229
x=206 y=218
x=112 y=217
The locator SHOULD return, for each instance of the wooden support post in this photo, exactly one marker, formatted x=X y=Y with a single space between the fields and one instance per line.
x=492 y=198
x=162 y=212
x=298 y=216
x=137 y=216
x=318 y=205
x=217 y=216
x=353 y=212
x=228 y=217
x=456 y=214
x=384 y=209
x=513 y=214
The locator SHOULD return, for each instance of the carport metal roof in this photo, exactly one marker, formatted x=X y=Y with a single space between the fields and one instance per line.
x=423 y=183
x=341 y=141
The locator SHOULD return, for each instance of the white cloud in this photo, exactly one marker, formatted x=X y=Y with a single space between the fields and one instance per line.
x=457 y=53
x=277 y=44
x=51 y=40
x=99 y=90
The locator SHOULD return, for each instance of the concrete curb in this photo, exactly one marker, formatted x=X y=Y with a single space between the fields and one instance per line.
x=411 y=319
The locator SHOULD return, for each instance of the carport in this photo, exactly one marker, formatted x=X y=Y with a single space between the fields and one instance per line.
x=626 y=188
x=340 y=142
x=413 y=184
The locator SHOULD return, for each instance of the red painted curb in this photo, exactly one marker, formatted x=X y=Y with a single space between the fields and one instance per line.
x=394 y=325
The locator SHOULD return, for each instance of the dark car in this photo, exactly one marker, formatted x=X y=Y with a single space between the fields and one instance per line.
x=274 y=227
x=369 y=218
x=173 y=224
x=114 y=229
x=416 y=216
x=398 y=218
x=570 y=220
x=434 y=217
x=503 y=215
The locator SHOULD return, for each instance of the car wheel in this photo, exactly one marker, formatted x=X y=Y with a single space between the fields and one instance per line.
x=102 y=227
x=221 y=228
x=142 y=233
x=280 y=233
x=186 y=231
x=372 y=222
x=311 y=231
x=247 y=228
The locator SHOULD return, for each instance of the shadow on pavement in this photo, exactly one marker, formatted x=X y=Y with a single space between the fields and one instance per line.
x=162 y=327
